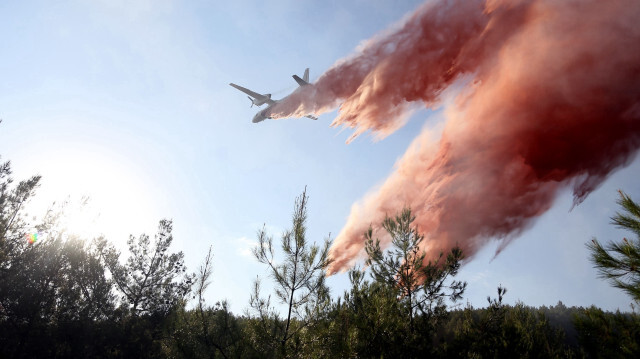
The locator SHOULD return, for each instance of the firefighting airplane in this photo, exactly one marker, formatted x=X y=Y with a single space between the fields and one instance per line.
x=259 y=99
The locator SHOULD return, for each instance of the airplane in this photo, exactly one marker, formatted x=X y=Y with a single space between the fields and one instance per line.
x=260 y=99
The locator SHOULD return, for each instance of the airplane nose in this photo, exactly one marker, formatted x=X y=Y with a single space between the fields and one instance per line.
x=260 y=116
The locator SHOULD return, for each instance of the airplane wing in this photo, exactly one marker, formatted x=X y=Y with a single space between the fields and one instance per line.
x=255 y=95
x=300 y=81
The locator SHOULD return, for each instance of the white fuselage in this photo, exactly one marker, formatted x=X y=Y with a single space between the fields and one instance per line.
x=262 y=115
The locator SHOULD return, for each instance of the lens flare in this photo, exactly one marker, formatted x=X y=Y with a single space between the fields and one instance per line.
x=32 y=237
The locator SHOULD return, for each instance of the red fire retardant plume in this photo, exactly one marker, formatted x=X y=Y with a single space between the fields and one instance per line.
x=551 y=99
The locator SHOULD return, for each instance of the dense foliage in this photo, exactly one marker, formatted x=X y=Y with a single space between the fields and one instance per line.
x=64 y=296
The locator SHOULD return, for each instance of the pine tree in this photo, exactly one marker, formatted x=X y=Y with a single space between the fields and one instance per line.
x=421 y=284
x=299 y=281
x=153 y=281
x=12 y=222
x=619 y=262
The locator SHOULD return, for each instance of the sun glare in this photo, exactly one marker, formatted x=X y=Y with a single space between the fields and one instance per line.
x=98 y=194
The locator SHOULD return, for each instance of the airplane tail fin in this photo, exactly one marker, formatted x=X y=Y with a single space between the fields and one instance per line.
x=305 y=78
x=300 y=81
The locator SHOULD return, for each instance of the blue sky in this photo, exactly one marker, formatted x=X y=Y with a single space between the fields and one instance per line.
x=128 y=102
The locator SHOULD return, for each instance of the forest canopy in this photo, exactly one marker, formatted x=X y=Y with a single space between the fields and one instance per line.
x=65 y=296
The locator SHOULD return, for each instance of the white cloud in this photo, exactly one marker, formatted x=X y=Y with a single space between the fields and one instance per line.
x=244 y=246
x=479 y=276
